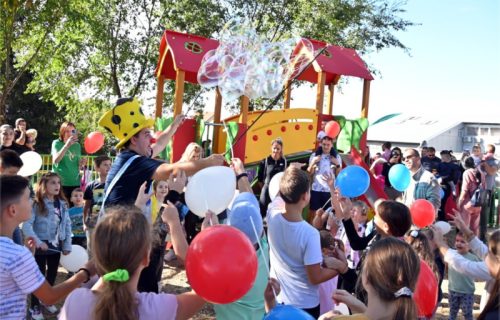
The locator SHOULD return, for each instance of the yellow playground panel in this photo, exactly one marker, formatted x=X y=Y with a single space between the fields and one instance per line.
x=296 y=127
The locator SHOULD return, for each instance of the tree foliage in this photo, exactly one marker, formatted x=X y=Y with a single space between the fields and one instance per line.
x=81 y=54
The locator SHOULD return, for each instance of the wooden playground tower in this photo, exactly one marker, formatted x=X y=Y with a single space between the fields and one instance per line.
x=180 y=58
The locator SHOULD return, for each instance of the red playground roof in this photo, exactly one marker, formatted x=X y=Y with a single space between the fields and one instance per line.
x=182 y=51
x=335 y=61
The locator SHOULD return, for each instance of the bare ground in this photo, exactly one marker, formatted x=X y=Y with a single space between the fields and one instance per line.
x=174 y=281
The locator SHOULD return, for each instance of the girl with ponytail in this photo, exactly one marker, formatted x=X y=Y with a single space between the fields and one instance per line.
x=389 y=276
x=121 y=243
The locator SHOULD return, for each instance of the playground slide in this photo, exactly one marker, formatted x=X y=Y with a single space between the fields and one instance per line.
x=374 y=192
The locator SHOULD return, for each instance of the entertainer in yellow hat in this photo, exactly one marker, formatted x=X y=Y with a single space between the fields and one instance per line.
x=136 y=164
x=127 y=123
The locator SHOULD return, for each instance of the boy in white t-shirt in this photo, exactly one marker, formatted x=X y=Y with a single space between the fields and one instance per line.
x=295 y=250
x=19 y=273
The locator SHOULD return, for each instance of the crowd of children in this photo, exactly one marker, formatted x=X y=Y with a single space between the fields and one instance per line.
x=342 y=257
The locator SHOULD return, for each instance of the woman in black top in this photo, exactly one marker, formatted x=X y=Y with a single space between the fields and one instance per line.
x=268 y=167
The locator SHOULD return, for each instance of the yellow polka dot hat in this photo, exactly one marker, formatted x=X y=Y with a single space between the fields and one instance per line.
x=125 y=120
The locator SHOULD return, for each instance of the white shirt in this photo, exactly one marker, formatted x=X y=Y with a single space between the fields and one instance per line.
x=324 y=166
x=293 y=245
x=19 y=276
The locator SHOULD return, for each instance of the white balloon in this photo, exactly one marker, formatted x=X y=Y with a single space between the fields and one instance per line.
x=210 y=189
x=32 y=162
x=75 y=259
x=274 y=185
x=443 y=226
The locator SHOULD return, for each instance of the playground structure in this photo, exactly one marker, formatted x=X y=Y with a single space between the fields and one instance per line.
x=180 y=59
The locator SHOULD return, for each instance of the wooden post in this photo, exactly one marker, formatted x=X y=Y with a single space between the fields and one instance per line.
x=217 y=112
x=331 y=88
x=320 y=94
x=366 y=98
x=160 y=81
x=244 y=109
x=288 y=95
x=179 y=92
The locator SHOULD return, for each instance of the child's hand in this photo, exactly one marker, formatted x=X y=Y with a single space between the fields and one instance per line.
x=341 y=205
x=316 y=159
x=170 y=215
x=329 y=178
x=211 y=219
x=30 y=243
x=142 y=197
x=457 y=220
x=272 y=290
x=178 y=182
x=320 y=212
x=66 y=252
x=342 y=296
x=43 y=246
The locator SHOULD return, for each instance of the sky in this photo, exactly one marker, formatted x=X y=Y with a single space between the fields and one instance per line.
x=453 y=66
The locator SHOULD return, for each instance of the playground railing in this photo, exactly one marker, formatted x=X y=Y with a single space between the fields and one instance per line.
x=47 y=167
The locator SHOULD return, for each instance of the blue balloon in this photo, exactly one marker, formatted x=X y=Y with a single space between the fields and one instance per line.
x=441 y=193
x=399 y=177
x=353 y=181
x=286 y=312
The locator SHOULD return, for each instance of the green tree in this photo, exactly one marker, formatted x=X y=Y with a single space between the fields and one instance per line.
x=83 y=54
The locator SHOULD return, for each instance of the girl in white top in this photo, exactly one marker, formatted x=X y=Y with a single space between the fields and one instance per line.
x=121 y=245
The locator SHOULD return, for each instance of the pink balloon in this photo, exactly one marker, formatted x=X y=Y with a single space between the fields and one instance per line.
x=93 y=142
x=332 y=129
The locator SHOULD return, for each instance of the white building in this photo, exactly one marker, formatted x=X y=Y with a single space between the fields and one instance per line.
x=442 y=133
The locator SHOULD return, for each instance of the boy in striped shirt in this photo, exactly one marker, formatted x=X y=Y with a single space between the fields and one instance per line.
x=19 y=273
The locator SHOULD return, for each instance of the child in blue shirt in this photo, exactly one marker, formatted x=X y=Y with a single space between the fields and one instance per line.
x=76 y=217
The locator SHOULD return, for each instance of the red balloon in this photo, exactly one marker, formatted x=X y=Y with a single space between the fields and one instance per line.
x=422 y=213
x=426 y=292
x=332 y=129
x=93 y=142
x=221 y=264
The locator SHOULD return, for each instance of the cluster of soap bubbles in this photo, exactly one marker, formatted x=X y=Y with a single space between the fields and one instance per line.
x=245 y=63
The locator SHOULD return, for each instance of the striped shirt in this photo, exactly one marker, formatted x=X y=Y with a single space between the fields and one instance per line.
x=19 y=276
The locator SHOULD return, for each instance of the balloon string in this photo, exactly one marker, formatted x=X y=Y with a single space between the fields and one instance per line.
x=327 y=201
x=206 y=206
x=275 y=100
x=229 y=137
x=263 y=253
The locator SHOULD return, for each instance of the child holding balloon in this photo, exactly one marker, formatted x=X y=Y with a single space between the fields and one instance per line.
x=389 y=278
x=20 y=274
x=296 y=260
x=122 y=231
x=50 y=227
